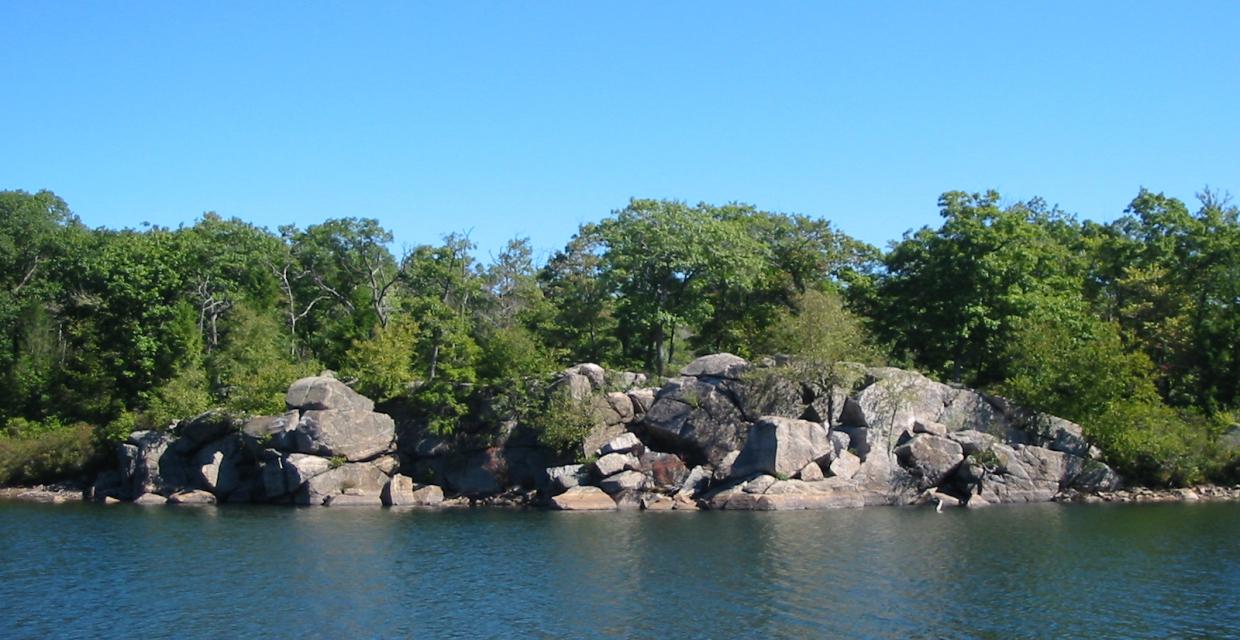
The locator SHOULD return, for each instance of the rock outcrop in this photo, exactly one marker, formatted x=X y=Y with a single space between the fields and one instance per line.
x=724 y=434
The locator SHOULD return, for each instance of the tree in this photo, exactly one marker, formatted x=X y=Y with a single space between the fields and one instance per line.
x=383 y=364
x=582 y=317
x=823 y=339
x=659 y=257
x=951 y=296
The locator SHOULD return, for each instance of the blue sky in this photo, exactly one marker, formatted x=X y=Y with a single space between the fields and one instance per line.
x=506 y=119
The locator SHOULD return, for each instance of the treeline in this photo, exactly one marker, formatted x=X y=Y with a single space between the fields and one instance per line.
x=1131 y=328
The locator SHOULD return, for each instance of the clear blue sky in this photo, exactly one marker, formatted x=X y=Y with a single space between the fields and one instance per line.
x=528 y=118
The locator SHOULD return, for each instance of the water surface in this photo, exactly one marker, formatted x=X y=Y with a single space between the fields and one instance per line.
x=1036 y=571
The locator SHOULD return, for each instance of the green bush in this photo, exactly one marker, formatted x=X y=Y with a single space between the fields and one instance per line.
x=53 y=454
x=564 y=422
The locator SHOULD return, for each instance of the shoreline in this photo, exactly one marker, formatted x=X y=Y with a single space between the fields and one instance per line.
x=61 y=494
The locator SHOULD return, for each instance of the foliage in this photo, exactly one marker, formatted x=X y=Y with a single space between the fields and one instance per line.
x=824 y=341
x=253 y=368
x=47 y=455
x=383 y=364
x=563 y=423
x=1131 y=328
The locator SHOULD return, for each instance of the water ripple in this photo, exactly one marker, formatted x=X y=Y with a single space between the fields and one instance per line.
x=1038 y=571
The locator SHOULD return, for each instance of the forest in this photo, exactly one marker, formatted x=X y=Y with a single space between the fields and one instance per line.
x=1130 y=328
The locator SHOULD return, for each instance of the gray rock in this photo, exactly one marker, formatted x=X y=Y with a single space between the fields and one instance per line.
x=352 y=500
x=781 y=447
x=388 y=464
x=972 y=441
x=574 y=385
x=695 y=419
x=628 y=500
x=149 y=465
x=1096 y=476
x=932 y=428
x=642 y=400
x=696 y=481
x=480 y=473
x=195 y=496
x=811 y=472
x=845 y=465
x=930 y=458
x=355 y=434
x=839 y=441
x=601 y=434
x=593 y=373
x=624 y=443
x=666 y=470
x=759 y=485
x=561 y=479
x=624 y=481
x=402 y=491
x=1018 y=474
x=321 y=393
x=272 y=432
x=724 y=470
x=719 y=365
x=584 y=499
x=150 y=498
x=657 y=502
x=621 y=405
x=614 y=463
x=204 y=428
x=627 y=380
x=216 y=465
x=356 y=478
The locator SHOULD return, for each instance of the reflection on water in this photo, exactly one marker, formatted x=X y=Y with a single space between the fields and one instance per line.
x=85 y=571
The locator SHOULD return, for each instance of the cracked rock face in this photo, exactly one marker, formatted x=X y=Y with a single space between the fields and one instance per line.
x=356 y=434
x=931 y=458
x=325 y=393
x=782 y=447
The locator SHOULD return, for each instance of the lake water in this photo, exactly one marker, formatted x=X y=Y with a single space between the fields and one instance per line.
x=1039 y=571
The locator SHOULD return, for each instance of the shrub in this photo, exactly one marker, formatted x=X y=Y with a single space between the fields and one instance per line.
x=49 y=455
x=564 y=422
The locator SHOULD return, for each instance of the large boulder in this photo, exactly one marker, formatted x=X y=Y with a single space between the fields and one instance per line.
x=718 y=365
x=320 y=393
x=931 y=458
x=614 y=463
x=624 y=481
x=217 y=465
x=272 y=432
x=402 y=491
x=193 y=496
x=204 y=428
x=695 y=418
x=355 y=434
x=584 y=499
x=623 y=443
x=666 y=470
x=563 y=478
x=355 y=478
x=781 y=447
x=149 y=465
x=1026 y=473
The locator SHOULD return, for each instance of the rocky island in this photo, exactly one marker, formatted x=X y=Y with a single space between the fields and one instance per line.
x=724 y=434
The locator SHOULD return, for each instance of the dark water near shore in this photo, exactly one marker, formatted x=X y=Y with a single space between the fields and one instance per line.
x=1045 y=571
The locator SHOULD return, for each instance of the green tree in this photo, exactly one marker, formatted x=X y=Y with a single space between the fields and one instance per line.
x=951 y=297
x=824 y=340
x=659 y=258
x=383 y=364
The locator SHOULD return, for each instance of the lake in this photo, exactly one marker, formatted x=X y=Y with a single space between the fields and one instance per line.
x=1037 y=571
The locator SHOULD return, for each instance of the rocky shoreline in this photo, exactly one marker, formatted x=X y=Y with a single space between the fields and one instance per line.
x=60 y=494
x=724 y=434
